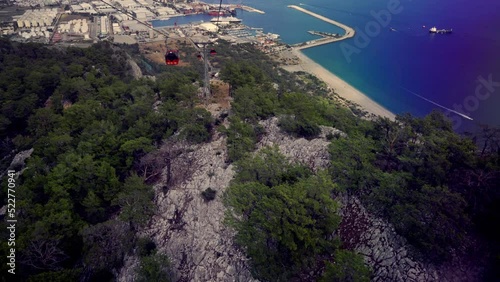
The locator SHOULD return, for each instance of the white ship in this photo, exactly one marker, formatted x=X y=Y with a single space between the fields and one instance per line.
x=435 y=30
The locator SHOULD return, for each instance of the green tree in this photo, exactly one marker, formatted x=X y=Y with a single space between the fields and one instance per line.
x=43 y=121
x=198 y=125
x=253 y=103
x=154 y=268
x=136 y=201
x=283 y=228
x=135 y=149
x=352 y=163
x=106 y=243
x=270 y=168
x=239 y=74
x=241 y=139
x=346 y=267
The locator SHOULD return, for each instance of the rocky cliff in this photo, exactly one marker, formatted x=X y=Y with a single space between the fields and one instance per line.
x=191 y=232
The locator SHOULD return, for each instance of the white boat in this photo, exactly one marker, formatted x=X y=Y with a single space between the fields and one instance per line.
x=442 y=31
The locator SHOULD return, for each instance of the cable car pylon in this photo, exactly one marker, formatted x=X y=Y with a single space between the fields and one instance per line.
x=206 y=89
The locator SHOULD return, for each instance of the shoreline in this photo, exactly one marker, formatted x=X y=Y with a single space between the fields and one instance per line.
x=340 y=87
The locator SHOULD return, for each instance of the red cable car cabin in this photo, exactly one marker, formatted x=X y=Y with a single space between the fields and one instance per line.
x=171 y=58
x=213 y=52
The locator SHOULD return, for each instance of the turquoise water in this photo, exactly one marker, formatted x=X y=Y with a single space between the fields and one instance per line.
x=441 y=68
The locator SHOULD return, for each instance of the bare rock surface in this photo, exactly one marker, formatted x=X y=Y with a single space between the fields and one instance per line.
x=312 y=153
x=387 y=253
x=135 y=70
x=391 y=257
x=18 y=163
x=20 y=158
x=189 y=230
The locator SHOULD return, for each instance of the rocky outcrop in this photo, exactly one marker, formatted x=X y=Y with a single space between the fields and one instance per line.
x=189 y=230
x=312 y=153
x=392 y=258
x=18 y=163
x=20 y=159
x=135 y=70
x=386 y=252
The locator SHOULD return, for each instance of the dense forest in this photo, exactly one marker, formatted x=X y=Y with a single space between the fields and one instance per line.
x=85 y=190
x=80 y=198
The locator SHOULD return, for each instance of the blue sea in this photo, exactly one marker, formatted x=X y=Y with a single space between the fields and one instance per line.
x=400 y=65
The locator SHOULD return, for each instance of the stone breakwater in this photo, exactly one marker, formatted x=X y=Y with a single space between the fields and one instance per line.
x=349 y=31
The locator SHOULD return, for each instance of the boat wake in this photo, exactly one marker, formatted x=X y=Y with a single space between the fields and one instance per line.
x=434 y=103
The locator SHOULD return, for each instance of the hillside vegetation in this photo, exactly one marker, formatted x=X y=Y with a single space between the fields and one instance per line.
x=87 y=188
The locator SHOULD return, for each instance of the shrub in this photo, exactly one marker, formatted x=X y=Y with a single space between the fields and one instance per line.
x=208 y=194
x=145 y=247
x=299 y=127
x=348 y=266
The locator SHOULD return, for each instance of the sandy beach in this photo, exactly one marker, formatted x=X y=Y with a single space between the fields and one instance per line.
x=342 y=88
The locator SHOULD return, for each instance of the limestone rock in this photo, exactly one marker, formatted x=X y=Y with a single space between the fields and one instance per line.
x=135 y=70
x=312 y=153
x=19 y=160
x=387 y=253
x=189 y=230
x=191 y=233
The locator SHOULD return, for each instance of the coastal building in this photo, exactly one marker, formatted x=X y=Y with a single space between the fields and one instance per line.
x=143 y=14
x=73 y=30
x=36 y=18
x=128 y=4
x=165 y=11
x=104 y=26
x=119 y=17
x=226 y=20
x=102 y=8
x=209 y=27
x=116 y=28
x=83 y=8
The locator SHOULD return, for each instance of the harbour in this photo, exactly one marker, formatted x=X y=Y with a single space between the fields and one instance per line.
x=327 y=37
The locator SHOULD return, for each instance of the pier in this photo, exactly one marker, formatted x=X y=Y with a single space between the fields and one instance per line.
x=250 y=9
x=349 y=31
x=324 y=34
